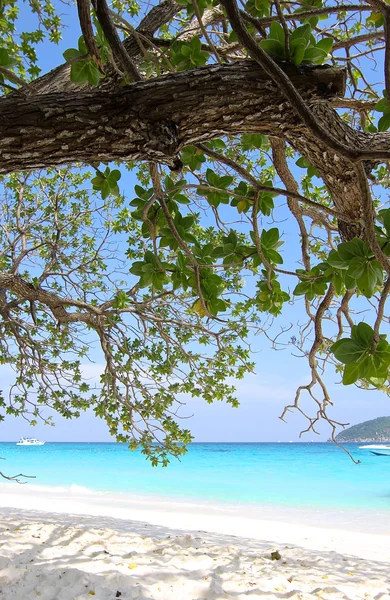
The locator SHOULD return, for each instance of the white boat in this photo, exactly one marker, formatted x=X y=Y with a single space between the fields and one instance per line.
x=29 y=442
x=378 y=449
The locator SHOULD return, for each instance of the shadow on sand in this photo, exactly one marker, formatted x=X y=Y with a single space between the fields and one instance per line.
x=71 y=557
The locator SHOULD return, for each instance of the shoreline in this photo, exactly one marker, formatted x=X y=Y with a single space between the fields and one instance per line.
x=365 y=534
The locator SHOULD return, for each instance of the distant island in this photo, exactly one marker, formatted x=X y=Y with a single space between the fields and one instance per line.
x=376 y=430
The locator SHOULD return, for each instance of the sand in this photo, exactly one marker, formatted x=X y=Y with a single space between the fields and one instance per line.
x=50 y=555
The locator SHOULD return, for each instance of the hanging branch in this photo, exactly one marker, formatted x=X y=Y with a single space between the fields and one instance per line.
x=84 y=12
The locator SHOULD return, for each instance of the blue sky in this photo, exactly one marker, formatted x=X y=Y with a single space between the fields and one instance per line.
x=262 y=395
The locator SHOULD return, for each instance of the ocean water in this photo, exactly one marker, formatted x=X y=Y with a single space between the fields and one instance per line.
x=315 y=475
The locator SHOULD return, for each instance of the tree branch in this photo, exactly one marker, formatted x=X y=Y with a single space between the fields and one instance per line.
x=84 y=12
x=286 y=86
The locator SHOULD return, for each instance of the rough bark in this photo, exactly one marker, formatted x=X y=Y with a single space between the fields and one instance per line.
x=153 y=120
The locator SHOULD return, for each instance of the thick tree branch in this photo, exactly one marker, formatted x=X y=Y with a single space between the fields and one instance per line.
x=287 y=87
x=153 y=120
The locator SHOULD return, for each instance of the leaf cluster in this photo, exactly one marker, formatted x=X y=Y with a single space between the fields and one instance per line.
x=188 y=55
x=364 y=357
x=304 y=49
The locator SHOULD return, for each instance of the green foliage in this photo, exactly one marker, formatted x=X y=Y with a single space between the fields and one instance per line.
x=106 y=182
x=303 y=163
x=218 y=184
x=352 y=265
x=6 y=60
x=355 y=261
x=232 y=251
x=312 y=283
x=19 y=45
x=308 y=5
x=270 y=297
x=121 y=299
x=270 y=242
x=258 y=8
x=364 y=357
x=383 y=106
x=192 y=157
x=246 y=197
x=83 y=68
x=150 y=271
x=383 y=231
x=303 y=46
x=188 y=55
x=376 y=19
x=202 y=5
x=252 y=141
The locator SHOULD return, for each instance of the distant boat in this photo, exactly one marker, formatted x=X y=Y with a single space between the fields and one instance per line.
x=29 y=442
x=378 y=449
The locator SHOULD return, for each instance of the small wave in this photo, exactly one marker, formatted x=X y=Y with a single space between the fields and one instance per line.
x=73 y=488
x=80 y=489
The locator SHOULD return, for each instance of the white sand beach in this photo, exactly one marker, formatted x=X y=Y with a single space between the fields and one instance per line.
x=179 y=553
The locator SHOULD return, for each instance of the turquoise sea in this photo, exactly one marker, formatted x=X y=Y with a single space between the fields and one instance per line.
x=315 y=475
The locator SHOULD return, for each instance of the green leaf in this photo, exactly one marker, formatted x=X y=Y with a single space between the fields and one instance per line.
x=196 y=44
x=276 y=33
x=242 y=206
x=384 y=122
x=304 y=31
x=192 y=157
x=70 y=54
x=85 y=71
x=314 y=56
x=357 y=266
x=121 y=300
x=382 y=352
x=5 y=59
x=348 y=250
x=347 y=351
x=383 y=105
x=363 y=334
x=368 y=280
x=302 y=163
x=181 y=199
x=270 y=238
x=336 y=261
x=351 y=373
x=258 y=8
x=325 y=44
x=249 y=141
x=115 y=175
x=378 y=381
x=274 y=48
x=82 y=46
x=386 y=220
x=297 y=50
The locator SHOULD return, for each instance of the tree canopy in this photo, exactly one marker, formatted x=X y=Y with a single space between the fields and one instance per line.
x=234 y=116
